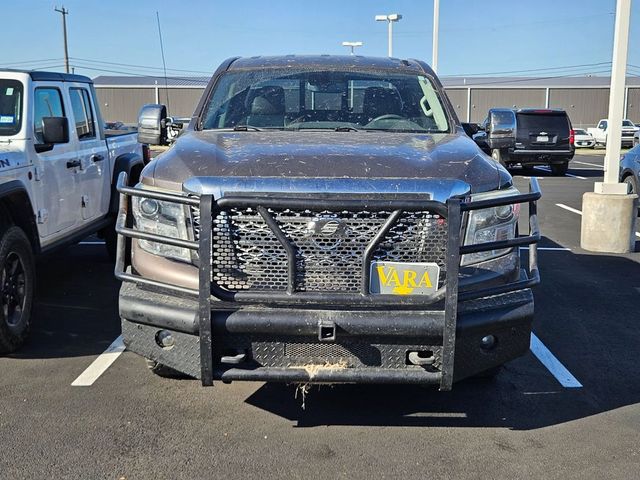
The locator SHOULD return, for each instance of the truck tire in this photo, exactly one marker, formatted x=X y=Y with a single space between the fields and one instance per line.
x=500 y=156
x=17 y=279
x=559 y=169
x=111 y=241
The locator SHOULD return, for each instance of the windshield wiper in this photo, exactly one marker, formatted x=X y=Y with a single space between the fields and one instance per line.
x=246 y=128
x=345 y=129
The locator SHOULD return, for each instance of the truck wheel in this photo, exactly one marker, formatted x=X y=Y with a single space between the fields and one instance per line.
x=500 y=156
x=559 y=169
x=164 y=371
x=17 y=276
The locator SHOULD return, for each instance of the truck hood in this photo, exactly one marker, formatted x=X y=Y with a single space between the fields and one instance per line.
x=328 y=155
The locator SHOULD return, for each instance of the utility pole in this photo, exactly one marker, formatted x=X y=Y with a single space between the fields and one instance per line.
x=608 y=213
x=64 y=13
x=436 y=22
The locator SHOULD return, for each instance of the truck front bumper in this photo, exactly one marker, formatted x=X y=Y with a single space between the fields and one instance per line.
x=287 y=345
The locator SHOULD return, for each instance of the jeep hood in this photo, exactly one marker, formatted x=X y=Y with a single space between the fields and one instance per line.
x=253 y=160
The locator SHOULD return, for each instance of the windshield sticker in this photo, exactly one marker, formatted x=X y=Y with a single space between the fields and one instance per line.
x=6 y=118
x=9 y=91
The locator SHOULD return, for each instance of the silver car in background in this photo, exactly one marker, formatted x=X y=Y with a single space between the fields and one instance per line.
x=583 y=139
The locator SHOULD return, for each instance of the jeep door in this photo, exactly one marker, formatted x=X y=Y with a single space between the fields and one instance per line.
x=93 y=174
x=58 y=195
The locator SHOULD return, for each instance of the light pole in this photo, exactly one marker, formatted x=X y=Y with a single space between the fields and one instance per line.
x=353 y=46
x=609 y=213
x=393 y=17
x=436 y=22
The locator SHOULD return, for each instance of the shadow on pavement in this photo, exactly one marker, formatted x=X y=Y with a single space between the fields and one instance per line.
x=76 y=306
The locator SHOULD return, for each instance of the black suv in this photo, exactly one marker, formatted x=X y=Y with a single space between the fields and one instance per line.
x=528 y=137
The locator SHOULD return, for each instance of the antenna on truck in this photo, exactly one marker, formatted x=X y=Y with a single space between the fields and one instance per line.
x=164 y=65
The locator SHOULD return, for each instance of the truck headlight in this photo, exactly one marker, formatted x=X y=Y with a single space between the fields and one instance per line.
x=163 y=218
x=490 y=225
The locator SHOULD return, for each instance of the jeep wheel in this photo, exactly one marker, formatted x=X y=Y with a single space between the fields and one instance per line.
x=17 y=276
x=500 y=156
x=559 y=169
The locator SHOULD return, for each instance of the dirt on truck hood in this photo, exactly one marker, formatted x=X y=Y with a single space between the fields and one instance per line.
x=313 y=154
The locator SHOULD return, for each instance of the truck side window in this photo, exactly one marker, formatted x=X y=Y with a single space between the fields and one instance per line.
x=82 y=113
x=48 y=103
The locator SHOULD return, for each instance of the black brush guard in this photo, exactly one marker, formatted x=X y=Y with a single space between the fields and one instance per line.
x=453 y=211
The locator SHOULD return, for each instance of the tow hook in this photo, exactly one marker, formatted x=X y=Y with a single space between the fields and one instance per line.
x=421 y=358
x=233 y=359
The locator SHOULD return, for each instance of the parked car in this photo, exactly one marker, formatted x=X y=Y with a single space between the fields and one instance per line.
x=528 y=137
x=57 y=180
x=630 y=169
x=306 y=228
x=636 y=138
x=583 y=139
x=600 y=132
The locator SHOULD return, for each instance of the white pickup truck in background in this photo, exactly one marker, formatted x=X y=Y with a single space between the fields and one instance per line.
x=58 y=167
x=599 y=133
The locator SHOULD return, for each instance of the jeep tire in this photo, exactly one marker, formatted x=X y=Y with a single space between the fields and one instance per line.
x=501 y=156
x=17 y=284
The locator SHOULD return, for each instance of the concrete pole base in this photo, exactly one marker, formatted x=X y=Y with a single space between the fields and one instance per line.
x=609 y=222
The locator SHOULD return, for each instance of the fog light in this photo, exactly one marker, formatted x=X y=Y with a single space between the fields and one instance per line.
x=164 y=339
x=488 y=342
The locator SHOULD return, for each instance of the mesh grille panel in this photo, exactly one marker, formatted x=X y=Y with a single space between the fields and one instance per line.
x=329 y=247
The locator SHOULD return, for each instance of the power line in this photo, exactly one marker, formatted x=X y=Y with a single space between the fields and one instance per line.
x=569 y=67
x=140 y=67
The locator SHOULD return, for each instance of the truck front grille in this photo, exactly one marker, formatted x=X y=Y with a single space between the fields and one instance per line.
x=329 y=247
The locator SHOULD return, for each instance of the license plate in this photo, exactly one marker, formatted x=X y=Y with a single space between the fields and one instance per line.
x=542 y=139
x=400 y=278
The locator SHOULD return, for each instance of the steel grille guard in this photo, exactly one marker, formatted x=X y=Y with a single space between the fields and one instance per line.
x=445 y=197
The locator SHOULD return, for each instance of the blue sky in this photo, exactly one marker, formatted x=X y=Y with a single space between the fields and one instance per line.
x=486 y=36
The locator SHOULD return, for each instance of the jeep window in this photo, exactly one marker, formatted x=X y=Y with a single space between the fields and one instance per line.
x=10 y=107
x=48 y=103
x=303 y=99
x=82 y=113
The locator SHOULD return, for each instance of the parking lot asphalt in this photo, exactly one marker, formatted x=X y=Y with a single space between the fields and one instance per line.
x=524 y=424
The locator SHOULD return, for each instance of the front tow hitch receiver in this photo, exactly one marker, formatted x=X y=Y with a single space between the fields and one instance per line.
x=422 y=358
x=326 y=331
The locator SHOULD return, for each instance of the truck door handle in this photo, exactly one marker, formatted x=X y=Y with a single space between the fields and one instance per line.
x=97 y=158
x=74 y=163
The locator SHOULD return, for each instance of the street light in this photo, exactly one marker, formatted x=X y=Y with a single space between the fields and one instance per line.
x=353 y=45
x=393 y=17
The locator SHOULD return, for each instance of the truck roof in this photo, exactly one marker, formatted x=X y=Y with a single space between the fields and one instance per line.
x=346 y=61
x=37 y=75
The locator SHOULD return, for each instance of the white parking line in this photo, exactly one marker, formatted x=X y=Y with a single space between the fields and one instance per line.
x=548 y=359
x=571 y=209
x=587 y=163
x=100 y=364
x=566 y=174
x=575 y=210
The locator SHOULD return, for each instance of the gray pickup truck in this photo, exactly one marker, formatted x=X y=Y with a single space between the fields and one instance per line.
x=324 y=220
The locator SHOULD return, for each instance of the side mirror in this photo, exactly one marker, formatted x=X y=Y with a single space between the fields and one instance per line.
x=152 y=125
x=55 y=130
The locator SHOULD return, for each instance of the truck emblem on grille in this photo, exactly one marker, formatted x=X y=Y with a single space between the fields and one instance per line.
x=326 y=233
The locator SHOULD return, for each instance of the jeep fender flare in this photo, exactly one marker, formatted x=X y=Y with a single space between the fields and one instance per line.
x=131 y=164
x=16 y=208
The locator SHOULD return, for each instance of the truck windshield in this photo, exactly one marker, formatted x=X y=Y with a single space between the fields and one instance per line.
x=10 y=107
x=627 y=123
x=288 y=99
